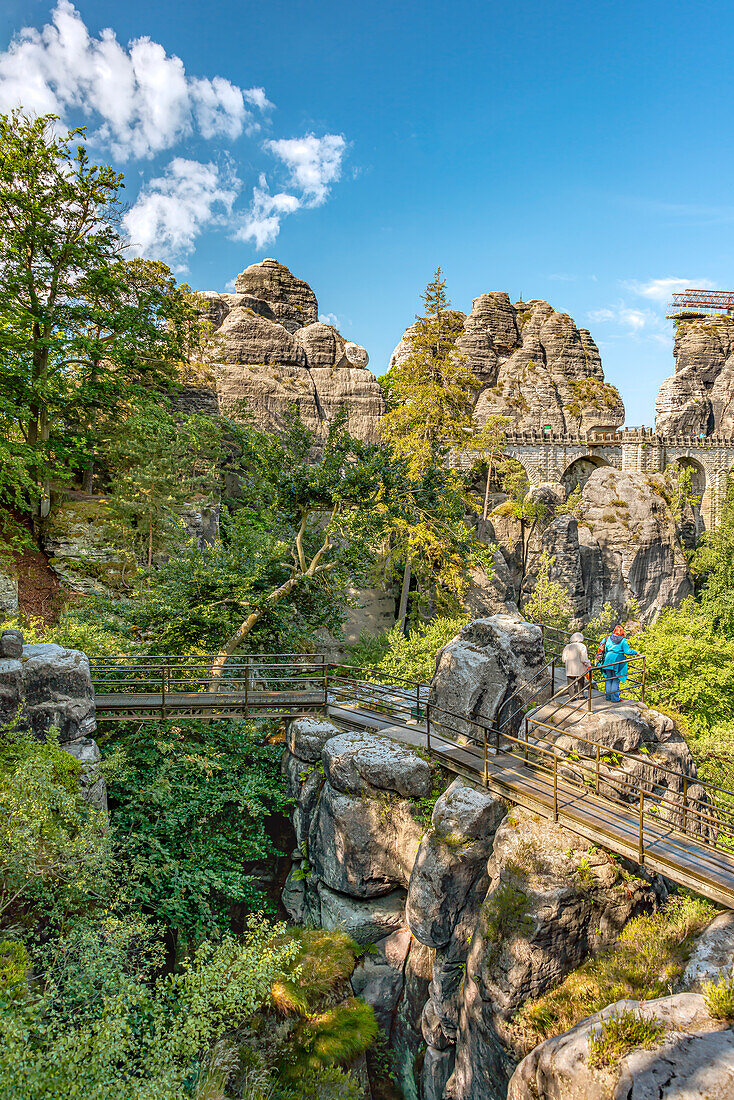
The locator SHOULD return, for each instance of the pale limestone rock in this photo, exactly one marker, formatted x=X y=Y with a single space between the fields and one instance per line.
x=358 y=763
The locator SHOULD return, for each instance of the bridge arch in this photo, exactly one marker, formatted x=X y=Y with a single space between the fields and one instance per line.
x=578 y=472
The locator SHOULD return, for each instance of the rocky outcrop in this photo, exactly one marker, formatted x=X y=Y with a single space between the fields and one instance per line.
x=80 y=540
x=620 y=545
x=270 y=355
x=534 y=366
x=48 y=687
x=712 y=957
x=8 y=593
x=689 y=1056
x=476 y=911
x=698 y=399
x=486 y=673
x=553 y=900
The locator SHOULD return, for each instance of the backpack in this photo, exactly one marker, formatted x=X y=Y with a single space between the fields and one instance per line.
x=601 y=650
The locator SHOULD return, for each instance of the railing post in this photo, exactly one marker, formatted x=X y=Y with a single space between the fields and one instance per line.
x=641 y=845
x=486 y=769
x=497 y=741
x=591 y=684
x=417 y=702
x=685 y=803
x=553 y=676
x=428 y=725
x=247 y=681
x=555 y=786
x=526 y=740
x=163 y=693
x=644 y=669
x=325 y=670
x=598 y=753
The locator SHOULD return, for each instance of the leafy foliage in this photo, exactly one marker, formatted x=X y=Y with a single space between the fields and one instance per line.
x=549 y=603
x=411 y=656
x=719 y=998
x=190 y=808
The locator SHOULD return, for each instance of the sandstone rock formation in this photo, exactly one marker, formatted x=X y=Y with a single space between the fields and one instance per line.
x=693 y=1058
x=534 y=365
x=271 y=354
x=698 y=399
x=46 y=686
x=620 y=546
x=486 y=671
x=468 y=917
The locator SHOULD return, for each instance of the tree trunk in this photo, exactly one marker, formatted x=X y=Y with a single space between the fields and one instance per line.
x=244 y=629
x=403 y=606
x=485 y=510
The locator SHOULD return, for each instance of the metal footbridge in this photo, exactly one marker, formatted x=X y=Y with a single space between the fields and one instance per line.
x=534 y=753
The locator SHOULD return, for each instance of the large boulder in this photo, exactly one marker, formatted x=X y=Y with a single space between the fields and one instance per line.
x=47 y=687
x=363 y=846
x=451 y=860
x=712 y=957
x=359 y=763
x=485 y=673
x=699 y=397
x=690 y=1058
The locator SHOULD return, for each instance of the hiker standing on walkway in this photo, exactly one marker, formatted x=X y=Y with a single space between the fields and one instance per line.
x=575 y=657
x=612 y=656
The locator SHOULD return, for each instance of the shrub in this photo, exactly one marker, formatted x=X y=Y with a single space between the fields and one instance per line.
x=411 y=657
x=619 y=1033
x=719 y=998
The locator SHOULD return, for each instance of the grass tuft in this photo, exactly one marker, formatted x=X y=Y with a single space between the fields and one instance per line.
x=719 y=998
x=620 y=1033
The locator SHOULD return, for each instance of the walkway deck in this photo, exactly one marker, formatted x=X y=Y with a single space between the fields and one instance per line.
x=534 y=773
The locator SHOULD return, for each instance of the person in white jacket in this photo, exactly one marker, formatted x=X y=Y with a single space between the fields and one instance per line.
x=575 y=657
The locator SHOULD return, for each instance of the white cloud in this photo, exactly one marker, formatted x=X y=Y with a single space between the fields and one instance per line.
x=141 y=97
x=662 y=290
x=261 y=224
x=627 y=317
x=173 y=209
x=329 y=319
x=314 y=163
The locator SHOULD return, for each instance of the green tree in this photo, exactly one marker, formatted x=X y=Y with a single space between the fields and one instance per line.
x=549 y=603
x=81 y=329
x=714 y=567
x=489 y=441
x=158 y=463
x=430 y=394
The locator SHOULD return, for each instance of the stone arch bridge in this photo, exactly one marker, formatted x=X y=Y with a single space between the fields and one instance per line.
x=567 y=458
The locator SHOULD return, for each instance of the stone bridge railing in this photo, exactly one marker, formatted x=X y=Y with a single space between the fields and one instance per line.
x=551 y=456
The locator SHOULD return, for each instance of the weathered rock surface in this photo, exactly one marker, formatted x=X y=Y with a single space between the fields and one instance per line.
x=292 y=301
x=46 y=686
x=79 y=539
x=489 y=663
x=693 y=1060
x=358 y=763
x=8 y=594
x=552 y=901
x=699 y=397
x=620 y=545
x=712 y=957
x=534 y=365
x=271 y=354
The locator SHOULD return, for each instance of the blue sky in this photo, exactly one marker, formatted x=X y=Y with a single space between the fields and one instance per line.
x=575 y=152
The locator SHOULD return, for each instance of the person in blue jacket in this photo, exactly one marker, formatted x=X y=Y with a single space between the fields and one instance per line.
x=614 y=664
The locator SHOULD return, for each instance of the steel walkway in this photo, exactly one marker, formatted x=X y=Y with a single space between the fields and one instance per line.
x=687 y=837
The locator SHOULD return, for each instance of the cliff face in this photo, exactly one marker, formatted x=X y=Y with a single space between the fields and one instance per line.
x=699 y=397
x=271 y=354
x=534 y=365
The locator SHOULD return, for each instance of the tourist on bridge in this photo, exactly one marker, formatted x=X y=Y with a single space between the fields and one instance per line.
x=575 y=657
x=612 y=655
